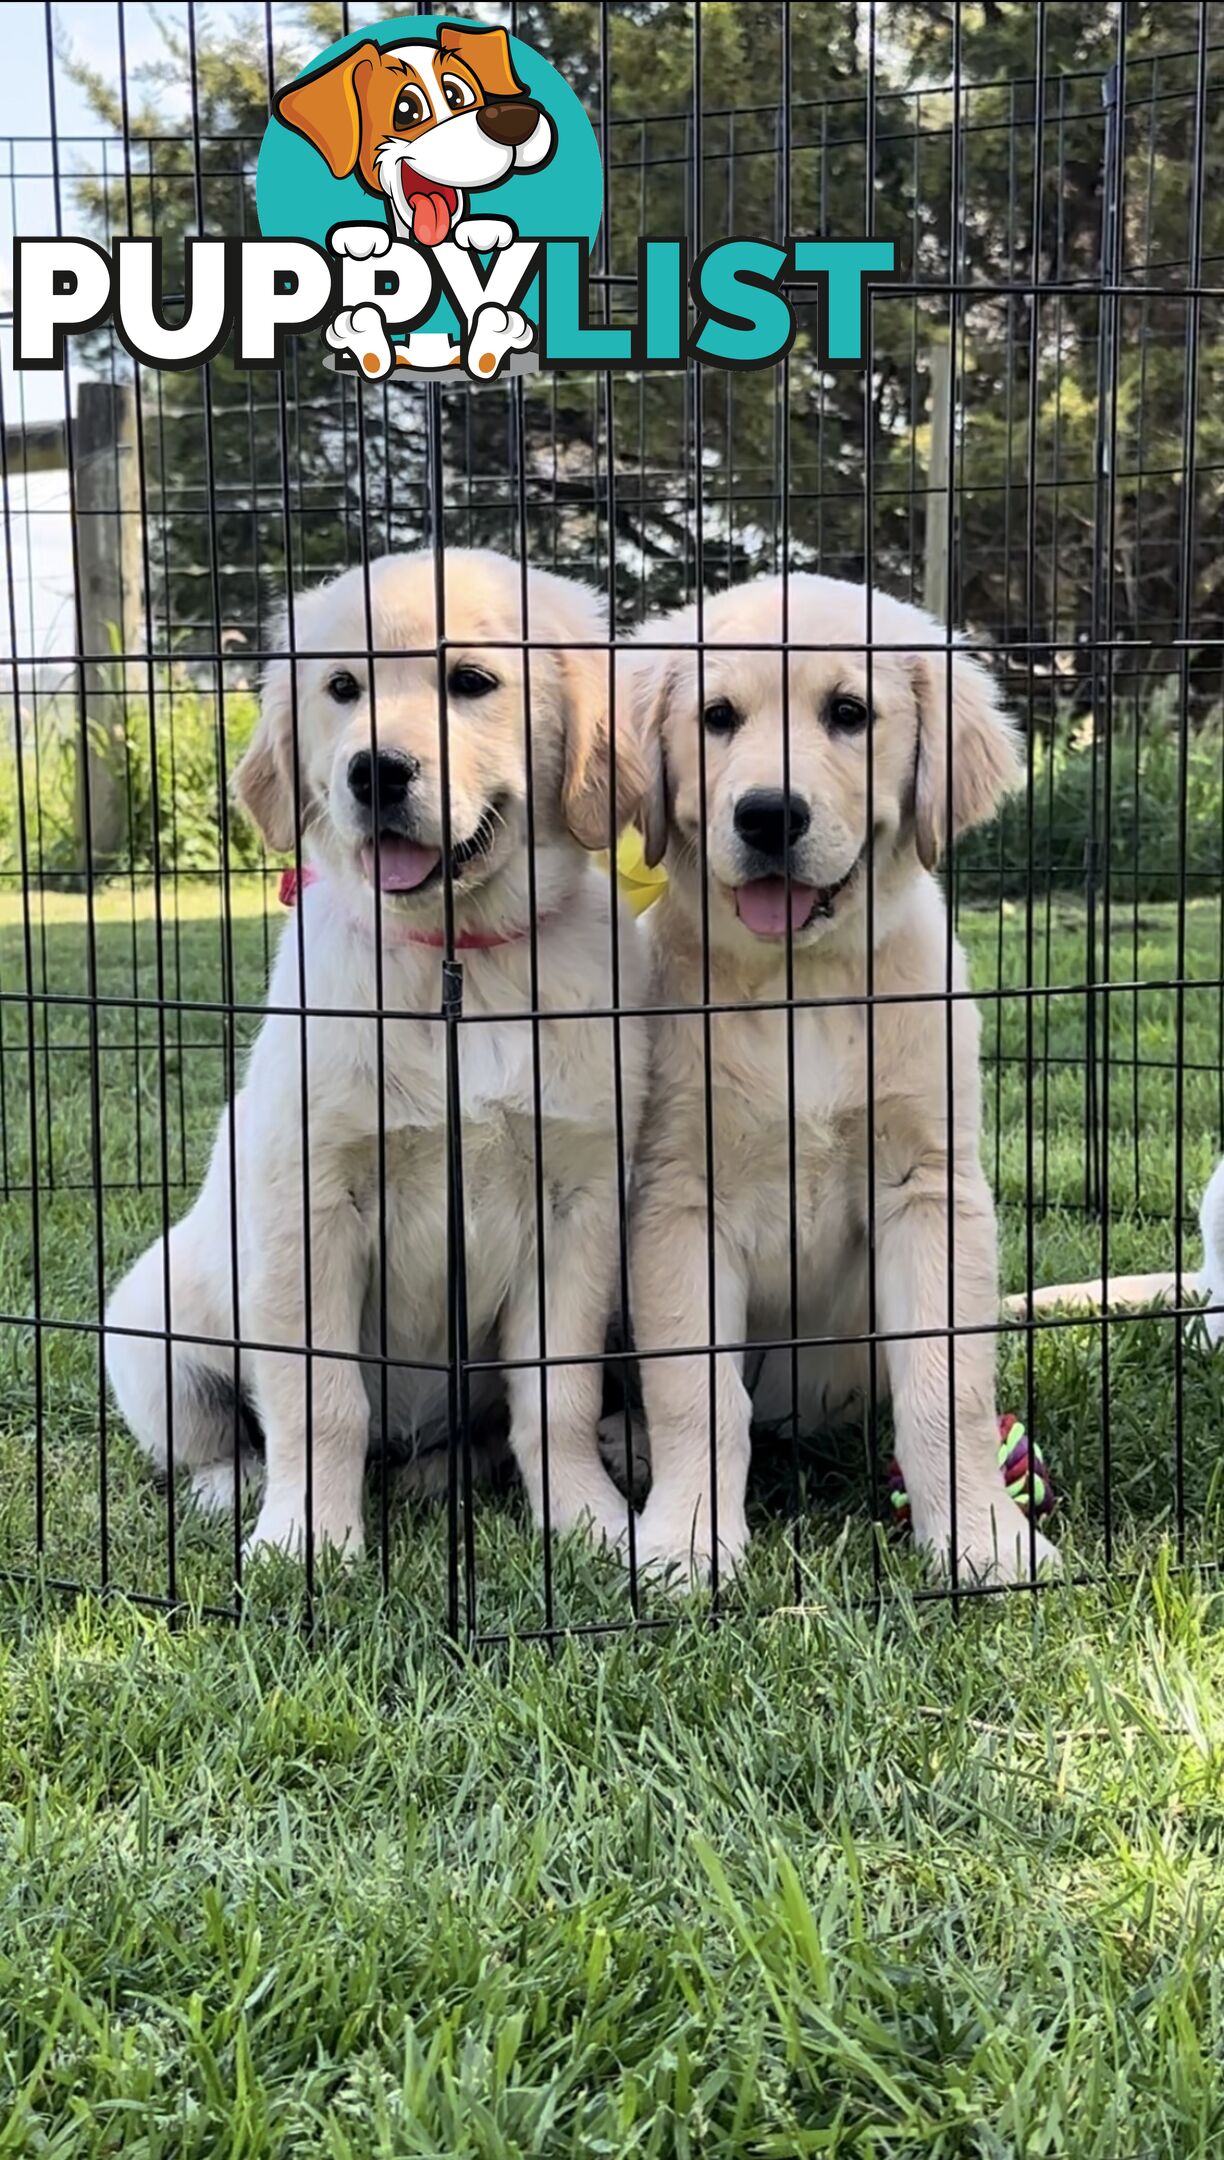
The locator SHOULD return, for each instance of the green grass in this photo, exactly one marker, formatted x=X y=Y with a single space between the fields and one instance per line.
x=841 y=1876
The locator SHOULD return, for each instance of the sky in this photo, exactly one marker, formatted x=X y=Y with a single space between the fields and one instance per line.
x=37 y=528
x=37 y=522
x=90 y=29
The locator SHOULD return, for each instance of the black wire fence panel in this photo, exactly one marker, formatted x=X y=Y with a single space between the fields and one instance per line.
x=1032 y=452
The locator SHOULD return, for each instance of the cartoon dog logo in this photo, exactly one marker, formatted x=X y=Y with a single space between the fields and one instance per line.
x=424 y=127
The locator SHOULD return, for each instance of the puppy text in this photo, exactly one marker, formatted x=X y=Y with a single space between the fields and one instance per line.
x=734 y=306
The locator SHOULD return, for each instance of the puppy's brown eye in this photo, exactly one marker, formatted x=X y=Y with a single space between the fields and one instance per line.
x=410 y=109
x=465 y=681
x=344 y=687
x=846 y=715
x=721 y=717
x=458 y=94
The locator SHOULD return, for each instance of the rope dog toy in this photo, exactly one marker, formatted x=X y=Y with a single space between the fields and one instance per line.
x=1017 y=1458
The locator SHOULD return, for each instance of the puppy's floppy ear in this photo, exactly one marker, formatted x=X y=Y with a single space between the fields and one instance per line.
x=652 y=683
x=985 y=760
x=561 y=608
x=326 y=107
x=487 y=53
x=263 y=778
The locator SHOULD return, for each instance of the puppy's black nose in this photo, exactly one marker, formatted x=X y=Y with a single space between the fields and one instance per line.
x=771 y=821
x=508 y=125
x=381 y=782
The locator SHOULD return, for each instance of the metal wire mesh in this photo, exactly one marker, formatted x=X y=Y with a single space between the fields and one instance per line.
x=1029 y=452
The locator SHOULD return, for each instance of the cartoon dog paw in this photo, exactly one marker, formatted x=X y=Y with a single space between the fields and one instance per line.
x=495 y=333
x=483 y=236
x=359 y=242
x=362 y=331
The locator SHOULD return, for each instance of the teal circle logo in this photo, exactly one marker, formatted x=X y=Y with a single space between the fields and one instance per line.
x=438 y=139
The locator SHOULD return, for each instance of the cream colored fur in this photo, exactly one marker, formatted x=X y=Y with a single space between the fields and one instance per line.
x=327 y=1076
x=933 y=1228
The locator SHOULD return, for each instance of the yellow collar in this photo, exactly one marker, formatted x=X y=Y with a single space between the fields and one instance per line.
x=640 y=885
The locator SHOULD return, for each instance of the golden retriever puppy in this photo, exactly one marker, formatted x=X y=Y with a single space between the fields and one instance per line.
x=337 y=1195
x=771 y=843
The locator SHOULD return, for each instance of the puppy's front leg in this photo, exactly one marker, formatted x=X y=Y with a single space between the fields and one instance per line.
x=333 y=1407
x=992 y=1533
x=670 y=1283
x=580 y=1256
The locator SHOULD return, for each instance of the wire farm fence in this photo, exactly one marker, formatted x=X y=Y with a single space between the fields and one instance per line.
x=1030 y=452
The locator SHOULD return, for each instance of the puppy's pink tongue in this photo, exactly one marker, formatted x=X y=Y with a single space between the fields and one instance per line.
x=761 y=906
x=430 y=219
x=402 y=865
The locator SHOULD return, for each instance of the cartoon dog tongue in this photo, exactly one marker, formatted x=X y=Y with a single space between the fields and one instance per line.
x=431 y=218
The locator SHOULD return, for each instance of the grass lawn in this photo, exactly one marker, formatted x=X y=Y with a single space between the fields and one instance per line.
x=852 y=1873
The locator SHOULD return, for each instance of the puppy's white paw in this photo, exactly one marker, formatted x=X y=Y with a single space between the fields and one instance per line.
x=605 y=1525
x=280 y=1528
x=359 y=242
x=483 y=236
x=496 y=332
x=362 y=331
x=994 y=1544
x=212 y=1485
x=675 y=1543
x=598 y=1513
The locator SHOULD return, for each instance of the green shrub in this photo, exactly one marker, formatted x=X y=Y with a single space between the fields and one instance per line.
x=1137 y=842
x=1140 y=844
x=188 y=795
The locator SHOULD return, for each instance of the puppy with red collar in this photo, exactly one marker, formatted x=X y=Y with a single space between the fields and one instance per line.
x=424 y=127
x=320 y=1237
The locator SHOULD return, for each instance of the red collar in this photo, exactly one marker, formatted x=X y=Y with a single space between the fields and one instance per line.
x=293 y=882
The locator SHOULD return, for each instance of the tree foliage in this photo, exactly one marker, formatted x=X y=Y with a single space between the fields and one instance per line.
x=650 y=482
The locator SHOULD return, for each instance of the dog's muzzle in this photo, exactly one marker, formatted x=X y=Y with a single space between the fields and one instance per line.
x=776 y=894
x=509 y=125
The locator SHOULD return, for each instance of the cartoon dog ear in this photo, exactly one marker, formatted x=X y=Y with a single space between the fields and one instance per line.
x=487 y=53
x=985 y=760
x=264 y=777
x=326 y=107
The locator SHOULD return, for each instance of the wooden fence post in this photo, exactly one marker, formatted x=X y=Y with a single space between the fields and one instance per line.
x=109 y=556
